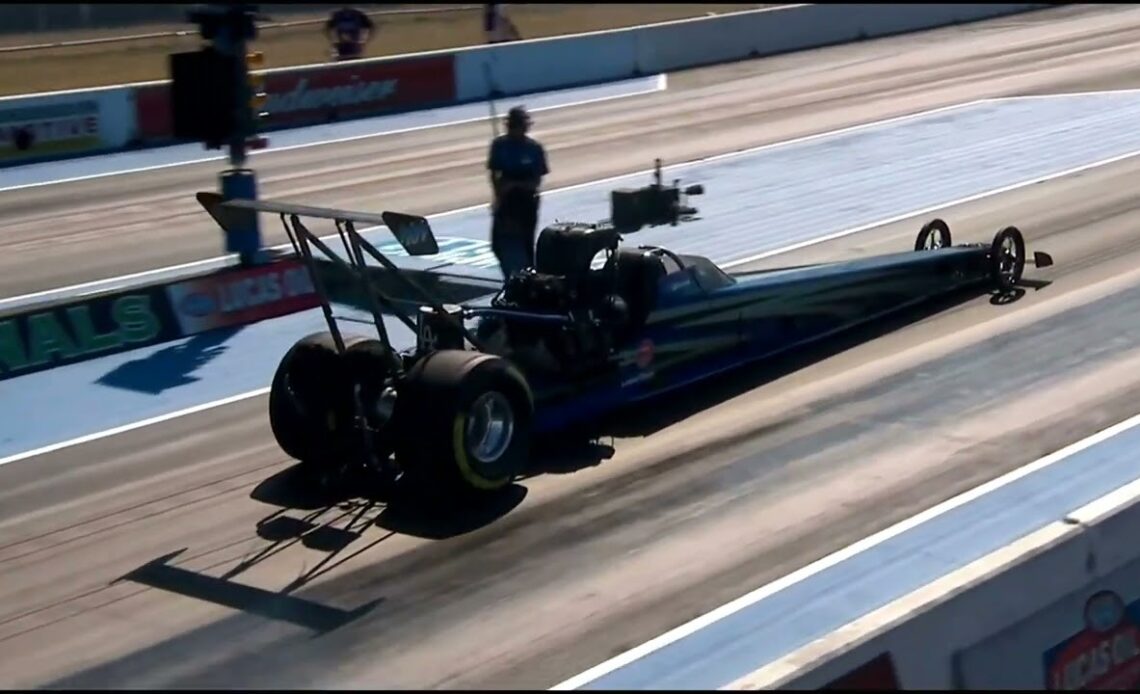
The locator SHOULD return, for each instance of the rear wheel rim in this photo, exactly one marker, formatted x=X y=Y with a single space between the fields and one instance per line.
x=490 y=427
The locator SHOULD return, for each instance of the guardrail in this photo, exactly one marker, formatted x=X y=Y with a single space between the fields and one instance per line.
x=138 y=115
x=1057 y=609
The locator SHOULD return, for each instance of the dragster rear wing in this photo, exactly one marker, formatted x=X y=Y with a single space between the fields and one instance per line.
x=411 y=231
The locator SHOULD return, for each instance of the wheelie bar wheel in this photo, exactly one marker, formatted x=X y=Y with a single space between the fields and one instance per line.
x=312 y=401
x=1007 y=257
x=934 y=234
x=307 y=403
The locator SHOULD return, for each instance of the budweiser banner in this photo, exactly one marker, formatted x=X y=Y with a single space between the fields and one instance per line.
x=240 y=297
x=323 y=94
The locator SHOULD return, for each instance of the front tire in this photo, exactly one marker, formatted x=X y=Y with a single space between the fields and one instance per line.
x=465 y=423
x=934 y=234
x=1007 y=258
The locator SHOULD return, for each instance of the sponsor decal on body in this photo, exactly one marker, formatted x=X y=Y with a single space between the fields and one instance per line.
x=457 y=251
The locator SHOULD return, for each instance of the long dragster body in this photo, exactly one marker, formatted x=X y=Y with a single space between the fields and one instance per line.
x=591 y=327
x=704 y=321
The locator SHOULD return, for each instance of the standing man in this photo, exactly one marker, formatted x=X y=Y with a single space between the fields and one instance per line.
x=517 y=164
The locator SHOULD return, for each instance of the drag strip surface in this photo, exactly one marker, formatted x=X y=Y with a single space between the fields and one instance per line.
x=175 y=555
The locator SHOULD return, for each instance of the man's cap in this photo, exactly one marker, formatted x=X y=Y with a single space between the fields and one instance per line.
x=518 y=116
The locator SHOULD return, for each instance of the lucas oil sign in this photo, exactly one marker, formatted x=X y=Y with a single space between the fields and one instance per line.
x=1105 y=654
x=239 y=297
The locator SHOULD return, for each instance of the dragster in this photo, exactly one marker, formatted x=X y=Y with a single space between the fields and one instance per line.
x=594 y=326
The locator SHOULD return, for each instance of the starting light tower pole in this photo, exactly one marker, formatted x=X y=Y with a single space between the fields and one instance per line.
x=231 y=27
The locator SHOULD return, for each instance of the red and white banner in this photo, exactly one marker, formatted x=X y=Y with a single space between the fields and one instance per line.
x=877 y=674
x=239 y=297
x=315 y=95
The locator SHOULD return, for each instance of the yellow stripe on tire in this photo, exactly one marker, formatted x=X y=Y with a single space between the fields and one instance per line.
x=459 y=446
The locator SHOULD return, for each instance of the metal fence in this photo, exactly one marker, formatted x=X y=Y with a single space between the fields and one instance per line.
x=25 y=18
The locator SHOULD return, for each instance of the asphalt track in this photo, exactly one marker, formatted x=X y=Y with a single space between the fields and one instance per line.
x=718 y=492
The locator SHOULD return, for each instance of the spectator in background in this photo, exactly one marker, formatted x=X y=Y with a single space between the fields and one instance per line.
x=497 y=25
x=348 y=30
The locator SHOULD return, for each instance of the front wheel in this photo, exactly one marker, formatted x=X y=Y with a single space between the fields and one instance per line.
x=934 y=234
x=464 y=422
x=1007 y=257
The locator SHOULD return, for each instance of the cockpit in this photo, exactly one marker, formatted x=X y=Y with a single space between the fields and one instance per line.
x=593 y=264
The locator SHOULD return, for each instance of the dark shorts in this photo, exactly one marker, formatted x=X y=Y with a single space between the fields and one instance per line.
x=517 y=214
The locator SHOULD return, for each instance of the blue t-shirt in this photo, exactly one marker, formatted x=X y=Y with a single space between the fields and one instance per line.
x=517 y=159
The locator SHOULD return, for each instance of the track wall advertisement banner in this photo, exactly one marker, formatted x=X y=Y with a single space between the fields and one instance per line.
x=310 y=96
x=240 y=297
x=877 y=674
x=1087 y=640
x=81 y=330
x=69 y=127
x=1104 y=654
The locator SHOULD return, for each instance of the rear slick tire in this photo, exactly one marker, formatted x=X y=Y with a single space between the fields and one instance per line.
x=465 y=424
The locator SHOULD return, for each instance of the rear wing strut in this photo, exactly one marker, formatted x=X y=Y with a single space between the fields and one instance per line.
x=412 y=232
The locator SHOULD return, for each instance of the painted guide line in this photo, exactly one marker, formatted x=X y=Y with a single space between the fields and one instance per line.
x=744 y=601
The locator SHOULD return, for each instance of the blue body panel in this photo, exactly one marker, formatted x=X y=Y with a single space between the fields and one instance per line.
x=698 y=331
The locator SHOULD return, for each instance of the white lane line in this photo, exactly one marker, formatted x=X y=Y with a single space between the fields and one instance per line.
x=660 y=84
x=132 y=426
x=934 y=208
x=1061 y=95
x=827 y=562
x=96 y=285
